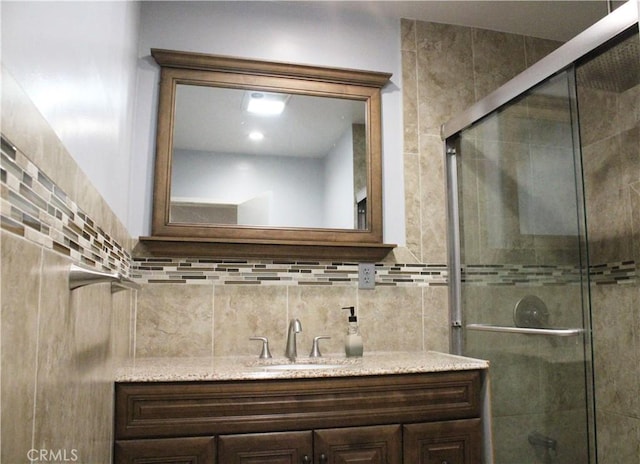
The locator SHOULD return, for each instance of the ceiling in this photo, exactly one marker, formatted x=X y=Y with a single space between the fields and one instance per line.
x=549 y=19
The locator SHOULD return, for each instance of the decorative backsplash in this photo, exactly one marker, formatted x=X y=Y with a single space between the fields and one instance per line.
x=34 y=207
x=283 y=272
x=624 y=272
x=280 y=272
x=519 y=274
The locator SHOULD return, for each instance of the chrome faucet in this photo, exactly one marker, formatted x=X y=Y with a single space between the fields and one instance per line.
x=294 y=327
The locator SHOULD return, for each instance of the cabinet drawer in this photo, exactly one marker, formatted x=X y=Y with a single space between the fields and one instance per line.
x=230 y=407
x=276 y=448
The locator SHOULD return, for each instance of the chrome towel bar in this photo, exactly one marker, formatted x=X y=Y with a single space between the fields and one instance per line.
x=81 y=276
x=525 y=330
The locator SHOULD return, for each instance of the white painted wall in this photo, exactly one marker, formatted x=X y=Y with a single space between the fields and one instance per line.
x=77 y=63
x=296 y=184
x=338 y=180
x=322 y=33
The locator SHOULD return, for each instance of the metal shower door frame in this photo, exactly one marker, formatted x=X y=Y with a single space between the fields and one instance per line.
x=565 y=56
x=456 y=345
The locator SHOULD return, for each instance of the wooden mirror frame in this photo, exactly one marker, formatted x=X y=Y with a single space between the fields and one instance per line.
x=182 y=239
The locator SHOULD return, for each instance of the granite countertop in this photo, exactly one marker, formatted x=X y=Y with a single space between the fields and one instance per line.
x=252 y=368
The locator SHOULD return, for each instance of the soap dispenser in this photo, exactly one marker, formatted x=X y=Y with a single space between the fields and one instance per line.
x=353 y=341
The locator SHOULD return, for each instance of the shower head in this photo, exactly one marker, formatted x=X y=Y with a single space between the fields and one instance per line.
x=615 y=70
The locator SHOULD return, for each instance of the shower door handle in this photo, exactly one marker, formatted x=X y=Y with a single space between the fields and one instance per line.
x=525 y=330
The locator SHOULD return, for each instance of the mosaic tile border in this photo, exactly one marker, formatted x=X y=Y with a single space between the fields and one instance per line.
x=618 y=273
x=280 y=272
x=243 y=272
x=35 y=208
x=520 y=275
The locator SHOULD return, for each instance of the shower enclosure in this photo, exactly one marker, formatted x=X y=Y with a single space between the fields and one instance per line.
x=537 y=230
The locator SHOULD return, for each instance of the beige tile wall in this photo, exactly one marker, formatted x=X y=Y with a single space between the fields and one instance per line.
x=206 y=320
x=59 y=347
x=446 y=69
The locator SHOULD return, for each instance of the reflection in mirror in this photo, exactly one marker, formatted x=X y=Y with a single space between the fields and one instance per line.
x=254 y=158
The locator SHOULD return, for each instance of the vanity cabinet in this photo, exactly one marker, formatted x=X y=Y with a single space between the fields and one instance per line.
x=422 y=418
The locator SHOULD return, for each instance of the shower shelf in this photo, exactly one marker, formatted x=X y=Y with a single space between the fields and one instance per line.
x=525 y=330
x=81 y=276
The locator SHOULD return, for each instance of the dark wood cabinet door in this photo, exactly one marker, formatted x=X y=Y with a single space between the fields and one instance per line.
x=448 y=442
x=266 y=448
x=191 y=450
x=361 y=445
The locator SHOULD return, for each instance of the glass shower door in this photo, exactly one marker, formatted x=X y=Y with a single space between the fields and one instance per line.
x=523 y=289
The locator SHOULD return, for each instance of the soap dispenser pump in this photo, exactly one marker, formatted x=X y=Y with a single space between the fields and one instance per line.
x=353 y=341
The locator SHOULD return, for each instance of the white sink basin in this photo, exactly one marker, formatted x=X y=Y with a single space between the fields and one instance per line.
x=303 y=364
x=300 y=367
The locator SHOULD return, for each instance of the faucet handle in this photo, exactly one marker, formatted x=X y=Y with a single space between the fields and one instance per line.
x=315 y=350
x=265 y=354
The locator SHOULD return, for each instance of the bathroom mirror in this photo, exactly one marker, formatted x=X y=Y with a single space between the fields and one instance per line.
x=254 y=155
x=268 y=160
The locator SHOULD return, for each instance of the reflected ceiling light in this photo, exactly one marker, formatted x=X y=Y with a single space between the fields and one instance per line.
x=265 y=104
x=256 y=135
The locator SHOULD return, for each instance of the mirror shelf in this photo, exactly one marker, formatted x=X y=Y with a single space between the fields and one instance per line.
x=170 y=247
x=201 y=209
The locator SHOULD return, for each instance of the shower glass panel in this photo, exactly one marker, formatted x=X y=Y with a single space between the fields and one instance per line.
x=608 y=89
x=523 y=273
